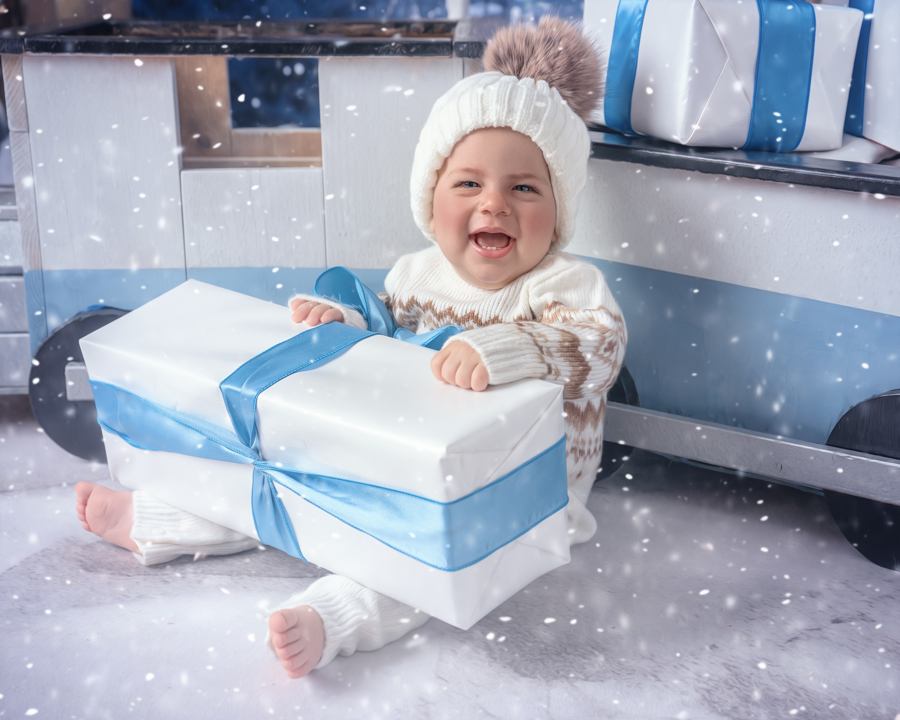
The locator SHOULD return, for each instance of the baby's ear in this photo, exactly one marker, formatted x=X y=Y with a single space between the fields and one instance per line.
x=431 y=225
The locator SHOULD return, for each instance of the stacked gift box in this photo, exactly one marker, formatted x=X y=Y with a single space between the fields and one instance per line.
x=770 y=75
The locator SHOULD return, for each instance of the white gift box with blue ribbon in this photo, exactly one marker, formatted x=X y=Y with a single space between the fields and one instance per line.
x=873 y=108
x=768 y=75
x=336 y=445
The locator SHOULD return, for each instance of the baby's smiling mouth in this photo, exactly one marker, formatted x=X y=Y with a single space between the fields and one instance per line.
x=491 y=240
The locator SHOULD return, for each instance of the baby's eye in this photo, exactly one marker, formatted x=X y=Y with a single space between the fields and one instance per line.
x=467 y=184
x=524 y=188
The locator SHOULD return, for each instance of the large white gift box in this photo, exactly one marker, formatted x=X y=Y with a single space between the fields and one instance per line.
x=873 y=109
x=445 y=499
x=759 y=74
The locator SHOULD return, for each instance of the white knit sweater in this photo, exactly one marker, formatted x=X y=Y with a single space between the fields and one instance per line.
x=559 y=322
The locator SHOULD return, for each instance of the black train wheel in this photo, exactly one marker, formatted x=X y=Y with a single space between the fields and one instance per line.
x=614 y=455
x=71 y=424
x=872 y=527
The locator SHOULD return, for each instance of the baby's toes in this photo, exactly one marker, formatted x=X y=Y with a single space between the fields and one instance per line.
x=290 y=653
x=298 y=666
x=280 y=622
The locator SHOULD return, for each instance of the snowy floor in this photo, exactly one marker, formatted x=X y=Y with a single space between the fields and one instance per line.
x=701 y=596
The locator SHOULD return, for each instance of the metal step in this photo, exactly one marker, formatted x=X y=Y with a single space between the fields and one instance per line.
x=773 y=456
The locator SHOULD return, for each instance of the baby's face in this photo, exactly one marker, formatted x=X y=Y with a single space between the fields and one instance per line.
x=494 y=212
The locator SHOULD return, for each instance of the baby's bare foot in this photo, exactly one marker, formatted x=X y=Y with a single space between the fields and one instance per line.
x=298 y=637
x=106 y=513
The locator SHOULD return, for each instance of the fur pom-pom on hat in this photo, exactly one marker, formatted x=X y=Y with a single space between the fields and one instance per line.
x=540 y=81
x=556 y=52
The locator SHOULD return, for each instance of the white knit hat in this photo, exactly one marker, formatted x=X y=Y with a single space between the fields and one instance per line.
x=527 y=105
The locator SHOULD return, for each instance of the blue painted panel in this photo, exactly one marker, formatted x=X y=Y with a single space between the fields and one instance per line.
x=65 y=293
x=69 y=292
x=750 y=358
x=698 y=348
x=266 y=283
x=275 y=285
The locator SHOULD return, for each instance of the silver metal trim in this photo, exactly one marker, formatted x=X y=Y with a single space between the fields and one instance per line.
x=780 y=458
x=78 y=386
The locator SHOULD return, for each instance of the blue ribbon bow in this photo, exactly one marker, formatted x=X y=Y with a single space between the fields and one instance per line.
x=787 y=36
x=447 y=536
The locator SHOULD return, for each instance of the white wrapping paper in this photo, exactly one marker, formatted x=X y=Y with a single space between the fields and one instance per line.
x=374 y=414
x=881 y=110
x=697 y=65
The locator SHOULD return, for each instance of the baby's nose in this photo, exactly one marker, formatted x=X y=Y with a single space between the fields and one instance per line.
x=494 y=201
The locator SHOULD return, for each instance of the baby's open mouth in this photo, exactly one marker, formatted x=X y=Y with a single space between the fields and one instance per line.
x=492 y=240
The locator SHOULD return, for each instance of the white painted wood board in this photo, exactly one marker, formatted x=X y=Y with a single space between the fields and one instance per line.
x=25 y=202
x=106 y=161
x=373 y=110
x=13 y=317
x=10 y=244
x=253 y=217
x=15 y=360
x=831 y=245
x=14 y=88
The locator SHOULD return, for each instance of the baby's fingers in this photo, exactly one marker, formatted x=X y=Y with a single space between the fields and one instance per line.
x=437 y=363
x=480 y=378
x=301 y=310
x=450 y=369
x=319 y=314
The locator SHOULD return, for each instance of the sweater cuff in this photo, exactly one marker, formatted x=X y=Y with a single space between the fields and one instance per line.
x=351 y=317
x=163 y=532
x=508 y=354
x=354 y=617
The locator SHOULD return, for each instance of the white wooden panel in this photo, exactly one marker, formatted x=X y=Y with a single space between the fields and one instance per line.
x=15 y=360
x=471 y=66
x=254 y=217
x=25 y=202
x=14 y=87
x=10 y=244
x=830 y=245
x=373 y=110
x=105 y=154
x=13 y=317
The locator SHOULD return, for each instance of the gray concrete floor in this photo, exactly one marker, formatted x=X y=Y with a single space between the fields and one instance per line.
x=702 y=595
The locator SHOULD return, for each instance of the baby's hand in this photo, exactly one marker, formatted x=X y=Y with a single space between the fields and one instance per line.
x=460 y=365
x=314 y=313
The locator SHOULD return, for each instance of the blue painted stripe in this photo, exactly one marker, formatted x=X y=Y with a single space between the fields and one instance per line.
x=784 y=60
x=856 y=100
x=665 y=317
x=65 y=293
x=266 y=283
x=701 y=349
x=69 y=292
x=622 y=65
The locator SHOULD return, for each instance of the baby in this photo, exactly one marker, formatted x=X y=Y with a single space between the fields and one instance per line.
x=499 y=168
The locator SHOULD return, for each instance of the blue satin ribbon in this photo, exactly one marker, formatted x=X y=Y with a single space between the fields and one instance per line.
x=305 y=351
x=784 y=61
x=446 y=536
x=341 y=285
x=856 y=100
x=622 y=65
